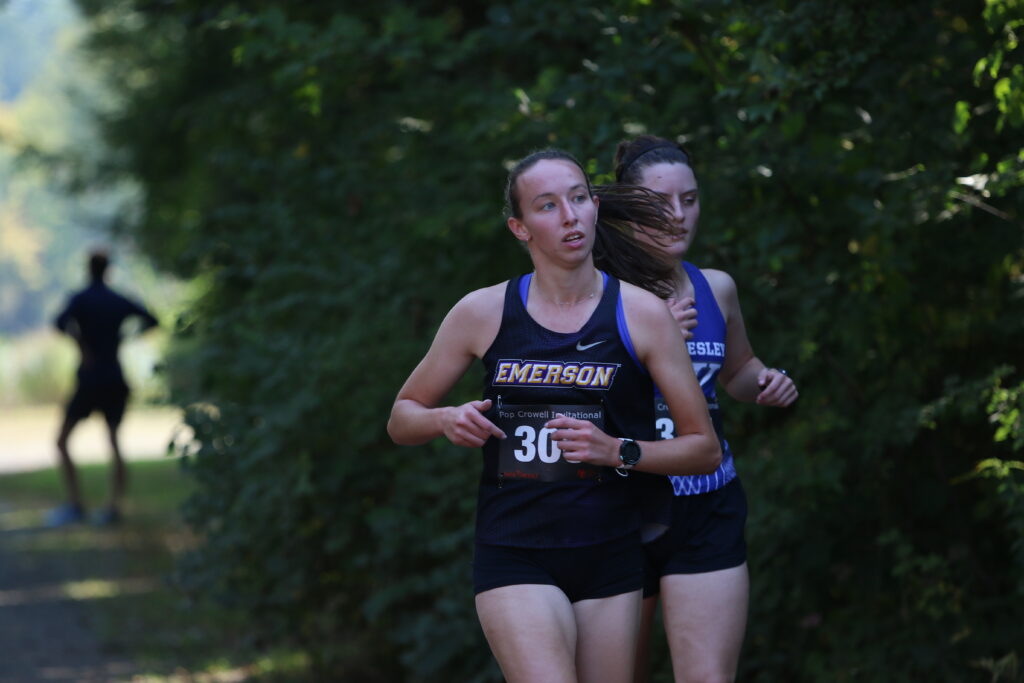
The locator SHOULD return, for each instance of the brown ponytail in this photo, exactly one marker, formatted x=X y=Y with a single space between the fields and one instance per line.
x=624 y=210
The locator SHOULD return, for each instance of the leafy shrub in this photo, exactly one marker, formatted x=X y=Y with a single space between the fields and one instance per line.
x=334 y=176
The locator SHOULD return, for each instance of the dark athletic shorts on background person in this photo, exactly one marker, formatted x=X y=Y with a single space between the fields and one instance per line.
x=584 y=573
x=706 y=536
x=107 y=394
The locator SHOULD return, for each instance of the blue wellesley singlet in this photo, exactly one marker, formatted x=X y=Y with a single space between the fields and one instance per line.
x=707 y=352
x=529 y=495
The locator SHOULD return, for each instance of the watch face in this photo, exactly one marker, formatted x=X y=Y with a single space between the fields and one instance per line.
x=629 y=452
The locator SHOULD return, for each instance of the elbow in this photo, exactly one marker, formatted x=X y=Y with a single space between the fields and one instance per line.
x=395 y=433
x=399 y=435
x=712 y=455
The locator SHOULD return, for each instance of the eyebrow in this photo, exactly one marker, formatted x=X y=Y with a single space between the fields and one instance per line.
x=552 y=194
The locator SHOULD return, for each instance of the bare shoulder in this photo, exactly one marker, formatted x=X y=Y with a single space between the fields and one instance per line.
x=721 y=282
x=476 y=317
x=645 y=312
x=482 y=302
x=639 y=300
x=648 y=320
x=479 y=307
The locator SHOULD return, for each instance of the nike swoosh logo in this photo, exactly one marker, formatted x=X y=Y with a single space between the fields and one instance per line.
x=584 y=347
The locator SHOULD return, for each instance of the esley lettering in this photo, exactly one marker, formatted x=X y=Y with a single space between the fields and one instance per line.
x=701 y=348
x=525 y=373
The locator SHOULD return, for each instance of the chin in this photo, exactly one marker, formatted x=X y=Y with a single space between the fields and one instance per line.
x=677 y=249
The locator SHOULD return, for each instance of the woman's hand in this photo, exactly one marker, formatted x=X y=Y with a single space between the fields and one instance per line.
x=685 y=314
x=777 y=389
x=582 y=441
x=466 y=425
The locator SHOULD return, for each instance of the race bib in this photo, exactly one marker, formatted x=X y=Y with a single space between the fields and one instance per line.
x=529 y=452
x=666 y=428
x=663 y=423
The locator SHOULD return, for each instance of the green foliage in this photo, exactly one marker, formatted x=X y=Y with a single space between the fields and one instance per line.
x=334 y=175
x=37 y=369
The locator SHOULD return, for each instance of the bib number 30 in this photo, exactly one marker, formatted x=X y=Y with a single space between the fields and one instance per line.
x=536 y=444
x=530 y=452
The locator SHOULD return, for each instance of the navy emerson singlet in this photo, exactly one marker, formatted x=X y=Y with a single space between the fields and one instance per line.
x=529 y=495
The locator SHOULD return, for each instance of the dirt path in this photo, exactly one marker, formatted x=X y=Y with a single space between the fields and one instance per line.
x=45 y=633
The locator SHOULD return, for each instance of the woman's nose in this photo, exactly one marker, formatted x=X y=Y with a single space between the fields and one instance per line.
x=677 y=210
x=569 y=216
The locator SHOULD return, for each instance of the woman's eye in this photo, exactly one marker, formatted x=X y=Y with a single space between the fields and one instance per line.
x=547 y=206
x=580 y=198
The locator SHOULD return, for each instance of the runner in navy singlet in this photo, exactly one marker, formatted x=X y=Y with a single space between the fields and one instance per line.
x=570 y=356
x=701 y=559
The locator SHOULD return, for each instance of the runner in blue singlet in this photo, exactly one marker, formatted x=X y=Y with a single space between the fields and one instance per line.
x=699 y=564
x=570 y=355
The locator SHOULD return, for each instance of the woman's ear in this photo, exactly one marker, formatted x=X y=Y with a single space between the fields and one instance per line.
x=518 y=229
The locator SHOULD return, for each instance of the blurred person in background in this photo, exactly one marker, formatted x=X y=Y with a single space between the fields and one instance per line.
x=93 y=318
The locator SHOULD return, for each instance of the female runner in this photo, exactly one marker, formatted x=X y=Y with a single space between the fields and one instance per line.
x=569 y=354
x=699 y=565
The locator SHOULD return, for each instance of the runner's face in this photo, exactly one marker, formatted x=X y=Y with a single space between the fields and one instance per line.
x=677 y=184
x=558 y=211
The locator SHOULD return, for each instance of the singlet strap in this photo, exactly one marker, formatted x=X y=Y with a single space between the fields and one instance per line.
x=524 y=287
x=702 y=291
x=627 y=340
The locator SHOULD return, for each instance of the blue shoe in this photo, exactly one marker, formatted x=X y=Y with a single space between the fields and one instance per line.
x=108 y=516
x=68 y=513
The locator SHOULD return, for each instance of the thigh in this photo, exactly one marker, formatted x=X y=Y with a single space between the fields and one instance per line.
x=606 y=646
x=79 y=406
x=648 y=612
x=531 y=630
x=707 y=533
x=115 y=398
x=705 y=619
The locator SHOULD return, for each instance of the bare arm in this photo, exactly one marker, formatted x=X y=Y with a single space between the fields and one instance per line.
x=65 y=318
x=466 y=332
x=743 y=375
x=659 y=345
x=147 y=319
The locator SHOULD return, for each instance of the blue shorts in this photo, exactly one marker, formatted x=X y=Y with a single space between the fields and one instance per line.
x=706 y=536
x=584 y=573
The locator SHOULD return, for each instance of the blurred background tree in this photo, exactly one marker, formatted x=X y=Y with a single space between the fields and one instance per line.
x=329 y=177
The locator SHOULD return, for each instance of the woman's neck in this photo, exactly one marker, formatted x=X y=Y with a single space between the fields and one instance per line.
x=681 y=284
x=567 y=287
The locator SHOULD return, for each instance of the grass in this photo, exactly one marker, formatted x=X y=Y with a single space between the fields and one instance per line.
x=120 y=577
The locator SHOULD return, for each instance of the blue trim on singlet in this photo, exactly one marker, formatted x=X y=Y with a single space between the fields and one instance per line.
x=620 y=315
x=711 y=329
x=524 y=287
x=627 y=341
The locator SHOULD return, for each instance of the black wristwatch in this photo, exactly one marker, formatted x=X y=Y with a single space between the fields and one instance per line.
x=629 y=454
